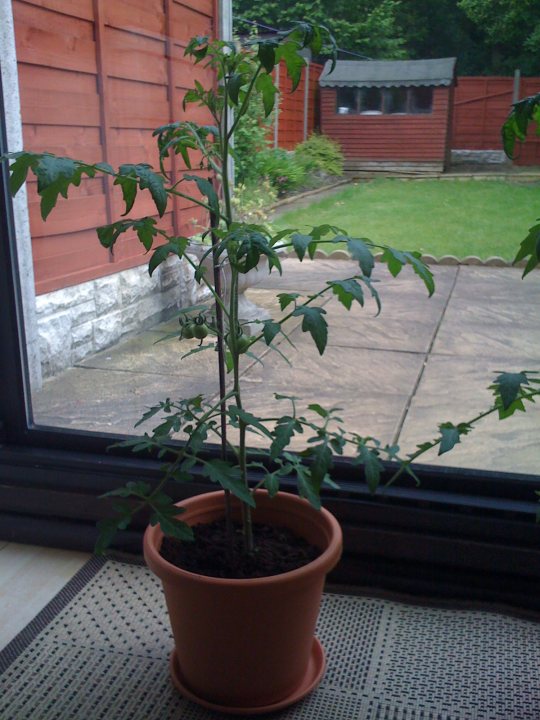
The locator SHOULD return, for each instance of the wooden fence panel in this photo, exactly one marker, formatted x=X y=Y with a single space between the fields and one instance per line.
x=96 y=77
x=481 y=106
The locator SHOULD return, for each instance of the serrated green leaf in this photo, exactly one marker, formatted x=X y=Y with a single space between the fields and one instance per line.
x=266 y=54
x=270 y=330
x=319 y=410
x=294 y=62
x=369 y=458
x=359 y=250
x=530 y=246
x=265 y=86
x=176 y=247
x=394 y=259
x=206 y=188
x=173 y=527
x=19 y=168
x=234 y=85
x=237 y=413
x=508 y=386
x=450 y=436
x=347 y=291
x=314 y=323
x=286 y=299
x=230 y=478
x=286 y=427
x=131 y=489
x=422 y=270
x=301 y=243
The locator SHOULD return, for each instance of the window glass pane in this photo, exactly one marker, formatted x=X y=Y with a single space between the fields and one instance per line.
x=95 y=88
x=420 y=100
x=395 y=100
x=370 y=101
x=346 y=100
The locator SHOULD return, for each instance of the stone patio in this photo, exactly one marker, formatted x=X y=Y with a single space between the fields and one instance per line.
x=396 y=376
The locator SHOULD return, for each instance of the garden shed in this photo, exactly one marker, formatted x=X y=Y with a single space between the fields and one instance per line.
x=390 y=114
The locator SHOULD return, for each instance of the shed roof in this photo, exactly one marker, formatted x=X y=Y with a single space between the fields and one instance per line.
x=389 y=73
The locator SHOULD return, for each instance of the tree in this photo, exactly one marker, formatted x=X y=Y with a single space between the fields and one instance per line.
x=368 y=27
x=510 y=32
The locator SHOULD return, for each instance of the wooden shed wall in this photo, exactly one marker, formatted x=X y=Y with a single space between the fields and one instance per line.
x=96 y=77
x=481 y=106
x=389 y=138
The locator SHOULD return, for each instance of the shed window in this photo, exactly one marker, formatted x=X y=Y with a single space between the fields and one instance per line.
x=384 y=101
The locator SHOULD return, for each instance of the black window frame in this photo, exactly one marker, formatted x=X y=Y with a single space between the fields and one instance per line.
x=462 y=533
x=383 y=93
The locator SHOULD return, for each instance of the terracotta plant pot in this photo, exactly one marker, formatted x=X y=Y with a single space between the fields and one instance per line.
x=248 y=646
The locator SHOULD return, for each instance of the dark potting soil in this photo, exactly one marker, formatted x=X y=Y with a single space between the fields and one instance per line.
x=277 y=550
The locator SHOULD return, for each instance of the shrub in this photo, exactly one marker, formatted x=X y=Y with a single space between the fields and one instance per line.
x=320 y=153
x=281 y=168
x=250 y=202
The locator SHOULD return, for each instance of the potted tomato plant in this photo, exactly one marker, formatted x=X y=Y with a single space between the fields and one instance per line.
x=242 y=568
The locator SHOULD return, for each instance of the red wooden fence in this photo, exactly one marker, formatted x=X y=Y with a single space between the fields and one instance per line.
x=481 y=105
x=297 y=113
x=96 y=77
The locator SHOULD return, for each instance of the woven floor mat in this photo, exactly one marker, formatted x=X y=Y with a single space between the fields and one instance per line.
x=100 y=651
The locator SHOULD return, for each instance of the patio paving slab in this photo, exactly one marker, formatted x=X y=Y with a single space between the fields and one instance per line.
x=397 y=376
x=492 y=313
x=455 y=389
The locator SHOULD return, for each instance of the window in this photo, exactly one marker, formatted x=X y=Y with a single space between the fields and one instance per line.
x=384 y=101
x=51 y=474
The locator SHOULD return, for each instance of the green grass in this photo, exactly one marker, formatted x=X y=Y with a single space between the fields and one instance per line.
x=451 y=217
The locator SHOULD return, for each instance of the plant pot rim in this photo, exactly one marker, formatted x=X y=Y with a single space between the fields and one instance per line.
x=327 y=559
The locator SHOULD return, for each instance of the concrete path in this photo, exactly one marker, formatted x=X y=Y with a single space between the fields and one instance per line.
x=422 y=361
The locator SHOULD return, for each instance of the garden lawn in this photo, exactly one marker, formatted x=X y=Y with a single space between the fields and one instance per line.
x=438 y=217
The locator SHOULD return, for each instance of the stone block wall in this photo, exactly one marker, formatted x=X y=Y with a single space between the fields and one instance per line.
x=75 y=322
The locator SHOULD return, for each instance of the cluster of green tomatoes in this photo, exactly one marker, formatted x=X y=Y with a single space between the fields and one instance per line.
x=199 y=327
x=195 y=327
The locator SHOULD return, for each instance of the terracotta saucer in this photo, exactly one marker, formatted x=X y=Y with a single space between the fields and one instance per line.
x=313 y=676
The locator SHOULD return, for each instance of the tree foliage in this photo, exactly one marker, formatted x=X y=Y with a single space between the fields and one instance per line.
x=489 y=37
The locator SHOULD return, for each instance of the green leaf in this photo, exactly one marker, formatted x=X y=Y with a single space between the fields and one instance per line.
x=206 y=188
x=172 y=527
x=301 y=243
x=314 y=323
x=286 y=427
x=271 y=483
x=236 y=413
x=230 y=478
x=177 y=246
x=234 y=85
x=450 y=436
x=359 y=250
x=394 y=259
x=294 y=62
x=347 y=291
x=19 y=168
x=54 y=176
x=266 y=54
x=129 y=186
x=148 y=180
x=270 y=330
x=371 y=462
x=131 y=489
x=508 y=387
x=319 y=410
x=286 y=299
x=321 y=462
x=422 y=270
x=265 y=85
x=530 y=246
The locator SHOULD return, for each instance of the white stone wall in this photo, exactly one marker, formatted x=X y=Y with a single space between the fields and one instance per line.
x=77 y=321
x=492 y=157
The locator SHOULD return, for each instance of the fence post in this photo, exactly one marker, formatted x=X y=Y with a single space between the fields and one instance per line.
x=276 y=111
x=306 y=100
x=517 y=82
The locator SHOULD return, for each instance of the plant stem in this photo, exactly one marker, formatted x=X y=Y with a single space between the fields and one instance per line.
x=221 y=369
